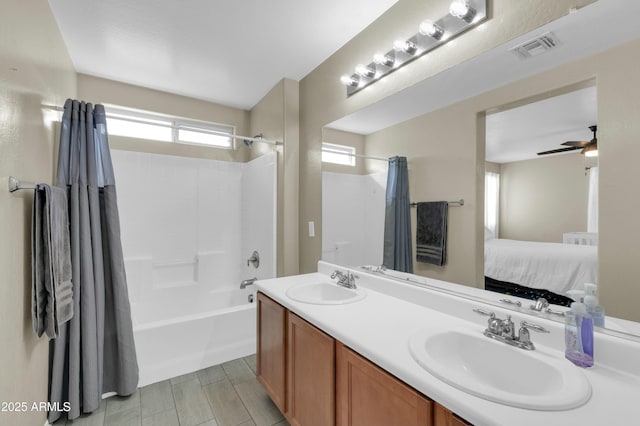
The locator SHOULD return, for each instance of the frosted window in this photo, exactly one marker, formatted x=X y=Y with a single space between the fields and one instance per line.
x=157 y=127
x=122 y=125
x=338 y=154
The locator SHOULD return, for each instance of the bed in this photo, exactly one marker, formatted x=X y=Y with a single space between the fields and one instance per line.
x=533 y=269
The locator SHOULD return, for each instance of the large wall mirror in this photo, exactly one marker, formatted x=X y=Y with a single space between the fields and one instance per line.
x=450 y=141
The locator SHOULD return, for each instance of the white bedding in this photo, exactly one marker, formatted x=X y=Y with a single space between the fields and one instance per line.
x=551 y=266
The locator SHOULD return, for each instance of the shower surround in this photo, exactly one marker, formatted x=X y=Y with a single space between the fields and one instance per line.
x=188 y=227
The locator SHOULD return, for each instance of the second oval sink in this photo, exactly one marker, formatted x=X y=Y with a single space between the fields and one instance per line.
x=498 y=372
x=324 y=293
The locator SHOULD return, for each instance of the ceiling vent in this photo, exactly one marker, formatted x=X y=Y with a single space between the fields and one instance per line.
x=537 y=46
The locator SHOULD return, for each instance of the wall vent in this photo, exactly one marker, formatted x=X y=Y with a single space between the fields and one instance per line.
x=537 y=46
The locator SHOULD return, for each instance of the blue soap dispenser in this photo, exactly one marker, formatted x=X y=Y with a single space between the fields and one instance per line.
x=591 y=300
x=578 y=332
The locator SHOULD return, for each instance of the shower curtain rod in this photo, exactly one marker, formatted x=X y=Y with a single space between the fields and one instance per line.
x=368 y=157
x=258 y=138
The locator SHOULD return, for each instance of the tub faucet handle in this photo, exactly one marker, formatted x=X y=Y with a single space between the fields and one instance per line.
x=254 y=259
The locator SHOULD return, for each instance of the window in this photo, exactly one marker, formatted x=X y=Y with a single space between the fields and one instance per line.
x=491 y=203
x=168 y=129
x=338 y=154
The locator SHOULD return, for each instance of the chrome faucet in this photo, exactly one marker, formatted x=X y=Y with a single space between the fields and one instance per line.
x=246 y=283
x=503 y=330
x=541 y=304
x=347 y=280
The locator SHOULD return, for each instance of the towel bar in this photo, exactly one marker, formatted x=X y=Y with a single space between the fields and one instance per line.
x=16 y=185
x=459 y=202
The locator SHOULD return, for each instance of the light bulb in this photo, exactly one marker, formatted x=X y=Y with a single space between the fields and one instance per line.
x=405 y=46
x=591 y=151
x=349 y=80
x=382 y=59
x=461 y=9
x=429 y=28
x=365 y=70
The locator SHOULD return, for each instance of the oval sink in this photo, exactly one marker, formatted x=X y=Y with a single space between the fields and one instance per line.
x=498 y=372
x=324 y=293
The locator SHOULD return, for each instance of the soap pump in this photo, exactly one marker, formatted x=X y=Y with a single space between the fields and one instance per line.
x=591 y=300
x=578 y=332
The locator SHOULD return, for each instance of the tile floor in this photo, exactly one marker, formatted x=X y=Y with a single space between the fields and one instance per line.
x=223 y=395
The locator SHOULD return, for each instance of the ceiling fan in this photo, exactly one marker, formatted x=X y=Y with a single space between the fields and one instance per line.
x=589 y=148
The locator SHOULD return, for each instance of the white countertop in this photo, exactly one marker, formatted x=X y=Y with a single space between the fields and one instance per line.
x=379 y=327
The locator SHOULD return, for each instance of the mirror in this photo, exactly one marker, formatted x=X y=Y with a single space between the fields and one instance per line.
x=541 y=192
x=440 y=146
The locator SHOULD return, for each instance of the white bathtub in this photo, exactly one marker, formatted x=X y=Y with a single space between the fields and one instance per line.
x=220 y=326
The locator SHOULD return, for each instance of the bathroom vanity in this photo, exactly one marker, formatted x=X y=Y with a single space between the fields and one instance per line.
x=389 y=352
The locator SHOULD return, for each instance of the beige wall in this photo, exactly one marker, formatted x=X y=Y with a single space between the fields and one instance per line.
x=98 y=90
x=36 y=70
x=540 y=199
x=323 y=98
x=276 y=117
x=492 y=167
x=348 y=139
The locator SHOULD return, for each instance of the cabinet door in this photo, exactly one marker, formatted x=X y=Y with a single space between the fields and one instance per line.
x=271 y=350
x=311 y=375
x=366 y=395
x=444 y=417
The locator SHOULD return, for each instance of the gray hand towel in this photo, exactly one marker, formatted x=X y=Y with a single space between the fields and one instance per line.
x=52 y=302
x=431 y=232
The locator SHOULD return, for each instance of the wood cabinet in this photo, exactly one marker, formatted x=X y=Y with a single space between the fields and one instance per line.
x=317 y=381
x=311 y=375
x=271 y=361
x=366 y=395
x=444 y=417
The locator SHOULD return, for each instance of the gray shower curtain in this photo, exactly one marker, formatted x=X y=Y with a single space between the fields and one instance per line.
x=397 y=252
x=94 y=352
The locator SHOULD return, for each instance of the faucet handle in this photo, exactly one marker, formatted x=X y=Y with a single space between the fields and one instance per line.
x=534 y=327
x=511 y=302
x=483 y=312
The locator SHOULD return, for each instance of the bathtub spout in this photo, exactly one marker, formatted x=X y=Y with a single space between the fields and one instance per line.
x=245 y=283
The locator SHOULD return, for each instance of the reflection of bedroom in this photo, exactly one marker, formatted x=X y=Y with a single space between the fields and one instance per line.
x=541 y=210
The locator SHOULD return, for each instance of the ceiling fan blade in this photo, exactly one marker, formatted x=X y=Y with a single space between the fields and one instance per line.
x=554 y=151
x=576 y=143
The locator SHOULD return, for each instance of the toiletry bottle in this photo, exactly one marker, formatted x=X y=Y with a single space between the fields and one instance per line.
x=591 y=300
x=578 y=332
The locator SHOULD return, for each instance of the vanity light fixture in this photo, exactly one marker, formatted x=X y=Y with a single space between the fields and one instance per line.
x=382 y=59
x=406 y=46
x=463 y=15
x=431 y=29
x=462 y=9
x=350 y=80
x=365 y=70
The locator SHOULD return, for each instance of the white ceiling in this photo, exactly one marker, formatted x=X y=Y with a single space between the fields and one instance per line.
x=519 y=133
x=599 y=26
x=230 y=52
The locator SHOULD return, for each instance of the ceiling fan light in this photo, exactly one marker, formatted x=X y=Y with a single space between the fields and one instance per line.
x=591 y=151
